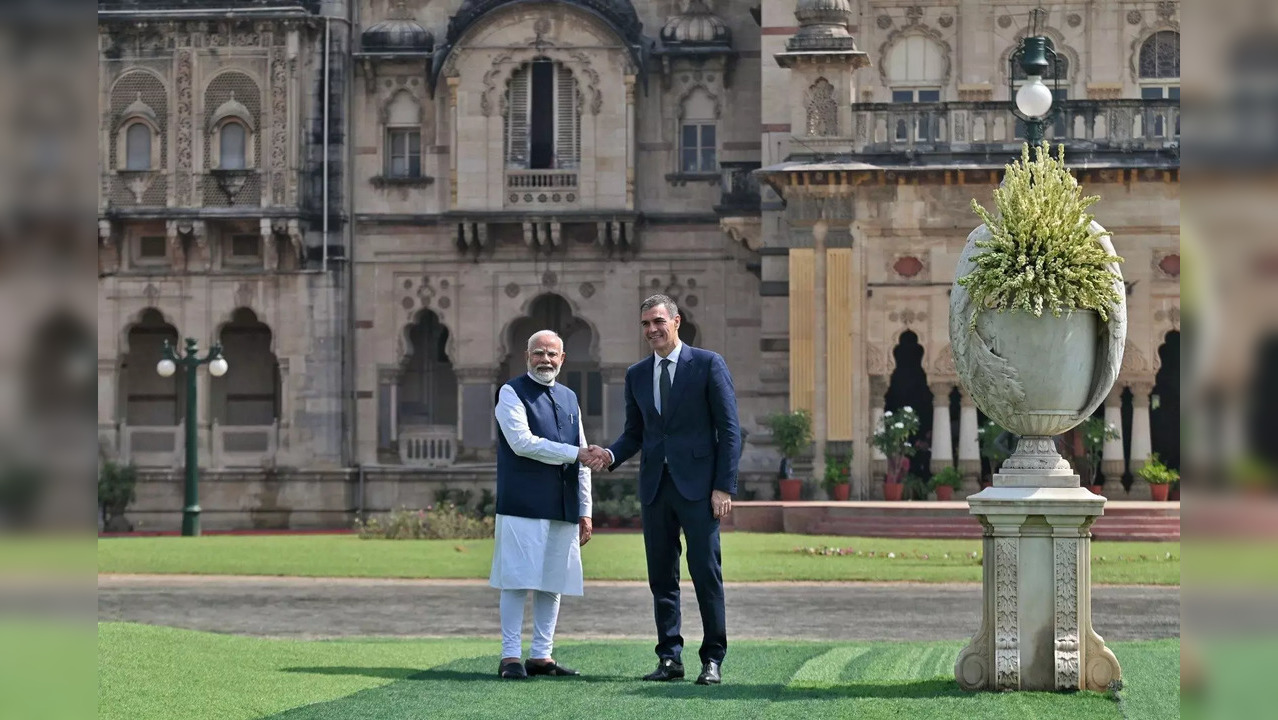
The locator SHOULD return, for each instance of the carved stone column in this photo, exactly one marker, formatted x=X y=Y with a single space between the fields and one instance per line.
x=1036 y=626
x=1142 y=445
x=969 y=444
x=942 y=439
x=1113 y=464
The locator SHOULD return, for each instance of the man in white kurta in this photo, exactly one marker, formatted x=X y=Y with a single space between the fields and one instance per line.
x=534 y=554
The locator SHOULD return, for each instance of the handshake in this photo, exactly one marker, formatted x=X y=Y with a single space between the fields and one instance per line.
x=594 y=457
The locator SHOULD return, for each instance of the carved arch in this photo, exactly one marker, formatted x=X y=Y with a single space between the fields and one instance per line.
x=1133 y=57
x=384 y=104
x=404 y=348
x=497 y=79
x=936 y=36
x=525 y=308
x=136 y=70
x=228 y=318
x=134 y=320
x=687 y=94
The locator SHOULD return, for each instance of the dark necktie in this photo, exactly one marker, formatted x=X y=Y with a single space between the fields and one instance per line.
x=665 y=385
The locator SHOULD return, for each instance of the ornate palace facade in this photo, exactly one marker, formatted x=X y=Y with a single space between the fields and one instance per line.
x=372 y=204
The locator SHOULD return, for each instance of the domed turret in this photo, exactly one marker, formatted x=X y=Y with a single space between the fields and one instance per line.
x=697 y=26
x=398 y=33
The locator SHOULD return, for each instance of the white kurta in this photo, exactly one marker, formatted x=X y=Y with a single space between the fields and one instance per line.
x=531 y=553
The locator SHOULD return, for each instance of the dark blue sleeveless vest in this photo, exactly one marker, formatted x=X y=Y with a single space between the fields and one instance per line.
x=530 y=488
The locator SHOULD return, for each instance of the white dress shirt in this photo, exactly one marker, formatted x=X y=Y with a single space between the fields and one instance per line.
x=673 y=357
x=512 y=418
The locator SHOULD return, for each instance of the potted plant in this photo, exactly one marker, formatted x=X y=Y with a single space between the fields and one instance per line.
x=946 y=481
x=914 y=487
x=892 y=438
x=1038 y=315
x=1159 y=476
x=792 y=433
x=996 y=445
x=117 y=488
x=1095 y=432
x=838 y=470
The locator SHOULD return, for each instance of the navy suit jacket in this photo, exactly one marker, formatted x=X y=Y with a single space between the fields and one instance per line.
x=698 y=436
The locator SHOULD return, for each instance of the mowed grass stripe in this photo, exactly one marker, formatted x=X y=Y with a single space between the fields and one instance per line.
x=827 y=668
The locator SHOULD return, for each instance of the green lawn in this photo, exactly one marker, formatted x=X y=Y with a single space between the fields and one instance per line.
x=609 y=556
x=155 y=672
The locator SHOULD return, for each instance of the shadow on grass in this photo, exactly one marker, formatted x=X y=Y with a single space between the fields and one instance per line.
x=921 y=689
x=439 y=674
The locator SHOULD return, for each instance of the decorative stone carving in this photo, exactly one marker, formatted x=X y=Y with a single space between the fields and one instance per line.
x=944 y=363
x=279 y=126
x=1007 y=661
x=823 y=109
x=185 y=131
x=1166 y=10
x=1005 y=21
x=1134 y=362
x=1133 y=17
x=884 y=21
x=945 y=21
x=1073 y=20
x=879 y=362
x=1068 y=647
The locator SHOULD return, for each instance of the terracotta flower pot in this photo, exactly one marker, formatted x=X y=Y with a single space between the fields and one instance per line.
x=1159 y=492
x=790 y=489
x=1096 y=489
x=841 y=492
x=944 y=493
x=893 y=491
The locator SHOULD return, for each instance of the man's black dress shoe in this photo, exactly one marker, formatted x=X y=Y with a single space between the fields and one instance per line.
x=551 y=668
x=709 y=674
x=667 y=669
x=512 y=671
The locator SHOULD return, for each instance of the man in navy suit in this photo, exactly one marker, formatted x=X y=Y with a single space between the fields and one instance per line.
x=681 y=412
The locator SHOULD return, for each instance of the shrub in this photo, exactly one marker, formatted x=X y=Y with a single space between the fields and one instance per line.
x=838 y=470
x=892 y=437
x=1155 y=472
x=1043 y=254
x=948 y=476
x=445 y=522
x=117 y=488
x=792 y=432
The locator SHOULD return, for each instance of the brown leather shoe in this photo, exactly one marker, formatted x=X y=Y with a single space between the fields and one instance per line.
x=666 y=670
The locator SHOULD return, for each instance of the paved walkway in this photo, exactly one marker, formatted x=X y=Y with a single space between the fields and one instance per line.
x=324 y=607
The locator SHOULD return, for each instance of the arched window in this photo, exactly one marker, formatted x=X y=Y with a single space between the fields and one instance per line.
x=137 y=141
x=232 y=146
x=1159 y=68
x=543 y=118
x=697 y=134
x=915 y=71
x=403 y=137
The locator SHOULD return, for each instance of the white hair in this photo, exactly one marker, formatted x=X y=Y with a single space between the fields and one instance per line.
x=543 y=333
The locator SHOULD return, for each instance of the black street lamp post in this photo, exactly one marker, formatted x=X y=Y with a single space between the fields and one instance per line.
x=190 y=361
x=1034 y=100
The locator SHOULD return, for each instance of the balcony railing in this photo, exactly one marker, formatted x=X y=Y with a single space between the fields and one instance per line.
x=427 y=445
x=537 y=188
x=1124 y=126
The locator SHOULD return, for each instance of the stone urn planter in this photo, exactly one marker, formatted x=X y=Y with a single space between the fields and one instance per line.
x=1037 y=375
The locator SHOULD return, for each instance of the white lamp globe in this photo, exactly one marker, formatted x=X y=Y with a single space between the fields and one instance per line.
x=166 y=368
x=1034 y=98
x=218 y=367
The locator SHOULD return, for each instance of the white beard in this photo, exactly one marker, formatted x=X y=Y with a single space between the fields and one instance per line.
x=546 y=376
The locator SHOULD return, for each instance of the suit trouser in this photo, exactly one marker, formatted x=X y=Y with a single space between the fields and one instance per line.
x=662 y=521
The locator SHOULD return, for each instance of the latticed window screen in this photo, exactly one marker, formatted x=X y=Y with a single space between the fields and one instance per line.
x=130 y=88
x=241 y=88
x=1160 y=56
x=538 y=92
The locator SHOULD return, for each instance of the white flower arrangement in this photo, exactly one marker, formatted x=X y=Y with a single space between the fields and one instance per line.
x=1043 y=254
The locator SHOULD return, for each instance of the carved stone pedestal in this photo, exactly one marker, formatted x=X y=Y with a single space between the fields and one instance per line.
x=1036 y=627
